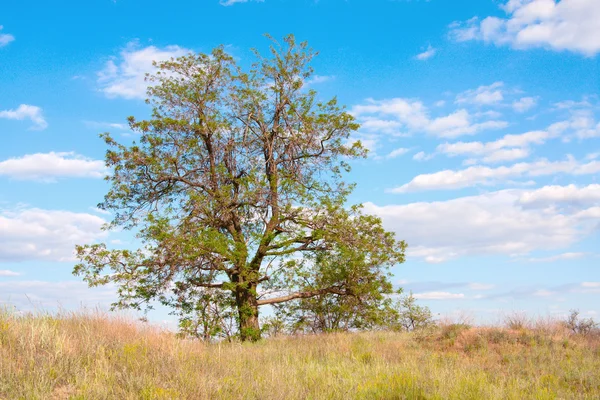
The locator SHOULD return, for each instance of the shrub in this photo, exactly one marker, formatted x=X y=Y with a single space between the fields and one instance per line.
x=412 y=316
x=517 y=321
x=580 y=326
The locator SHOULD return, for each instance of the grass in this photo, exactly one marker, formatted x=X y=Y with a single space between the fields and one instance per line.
x=93 y=356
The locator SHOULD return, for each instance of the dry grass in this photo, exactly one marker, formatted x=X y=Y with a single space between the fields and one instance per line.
x=83 y=356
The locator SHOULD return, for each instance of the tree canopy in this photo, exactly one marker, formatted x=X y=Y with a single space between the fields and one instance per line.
x=236 y=192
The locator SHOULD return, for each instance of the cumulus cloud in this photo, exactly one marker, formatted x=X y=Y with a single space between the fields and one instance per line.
x=508 y=148
x=397 y=152
x=483 y=175
x=581 y=124
x=572 y=104
x=6 y=272
x=51 y=235
x=570 y=25
x=571 y=197
x=124 y=76
x=316 y=79
x=427 y=54
x=524 y=104
x=26 y=111
x=47 y=167
x=422 y=156
x=392 y=115
x=5 y=38
x=483 y=95
x=487 y=224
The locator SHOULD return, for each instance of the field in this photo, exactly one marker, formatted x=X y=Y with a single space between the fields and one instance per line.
x=94 y=356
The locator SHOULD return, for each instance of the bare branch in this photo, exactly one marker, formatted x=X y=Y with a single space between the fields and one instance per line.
x=304 y=295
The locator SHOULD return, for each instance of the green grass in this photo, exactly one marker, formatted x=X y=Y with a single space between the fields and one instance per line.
x=92 y=356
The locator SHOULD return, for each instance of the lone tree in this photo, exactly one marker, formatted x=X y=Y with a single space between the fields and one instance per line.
x=235 y=191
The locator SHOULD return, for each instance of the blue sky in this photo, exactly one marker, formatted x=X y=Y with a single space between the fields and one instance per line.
x=483 y=120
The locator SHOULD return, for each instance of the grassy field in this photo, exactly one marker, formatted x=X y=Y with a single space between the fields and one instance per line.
x=92 y=356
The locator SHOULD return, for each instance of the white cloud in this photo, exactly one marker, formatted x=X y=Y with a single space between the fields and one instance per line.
x=125 y=77
x=524 y=104
x=316 y=79
x=47 y=167
x=483 y=95
x=25 y=111
x=482 y=175
x=422 y=156
x=439 y=296
x=31 y=295
x=464 y=31
x=232 y=2
x=397 y=152
x=427 y=54
x=488 y=224
x=5 y=38
x=386 y=126
x=6 y=272
x=590 y=284
x=570 y=196
x=581 y=124
x=105 y=125
x=558 y=25
x=394 y=114
x=571 y=104
x=503 y=155
x=592 y=156
x=36 y=234
x=558 y=257
x=508 y=148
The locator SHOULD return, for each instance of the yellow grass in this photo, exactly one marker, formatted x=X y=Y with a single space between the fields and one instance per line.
x=92 y=356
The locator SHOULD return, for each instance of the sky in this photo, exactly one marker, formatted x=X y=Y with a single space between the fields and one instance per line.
x=482 y=118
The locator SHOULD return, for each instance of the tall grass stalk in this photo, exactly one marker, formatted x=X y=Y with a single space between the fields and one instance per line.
x=94 y=356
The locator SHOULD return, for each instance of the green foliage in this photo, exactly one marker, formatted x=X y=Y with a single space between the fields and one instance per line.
x=205 y=314
x=235 y=189
x=373 y=309
x=412 y=316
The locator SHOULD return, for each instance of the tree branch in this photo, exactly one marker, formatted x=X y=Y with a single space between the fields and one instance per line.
x=303 y=295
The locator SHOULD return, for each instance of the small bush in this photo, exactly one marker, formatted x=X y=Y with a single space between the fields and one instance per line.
x=411 y=316
x=517 y=321
x=499 y=336
x=452 y=331
x=580 y=326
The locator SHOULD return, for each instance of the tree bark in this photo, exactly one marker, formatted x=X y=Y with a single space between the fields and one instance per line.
x=247 y=305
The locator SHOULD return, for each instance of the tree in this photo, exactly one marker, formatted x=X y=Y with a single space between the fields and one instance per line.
x=236 y=186
x=412 y=316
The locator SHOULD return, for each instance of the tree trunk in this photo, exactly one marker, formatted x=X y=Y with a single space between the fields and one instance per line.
x=247 y=304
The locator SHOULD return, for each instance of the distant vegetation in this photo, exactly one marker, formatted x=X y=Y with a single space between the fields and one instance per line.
x=92 y=356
